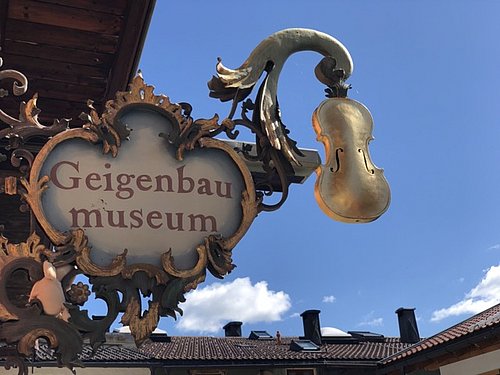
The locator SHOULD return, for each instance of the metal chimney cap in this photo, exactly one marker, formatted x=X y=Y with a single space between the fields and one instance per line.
x=310 y=312
x=402 y=309
x=232 y=329
x=232 y=324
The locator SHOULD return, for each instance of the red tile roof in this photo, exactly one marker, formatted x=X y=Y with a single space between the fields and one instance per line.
x=487 y=319
x=196 y=351
x=242 y=349
x=186 y=351
x=105 y=353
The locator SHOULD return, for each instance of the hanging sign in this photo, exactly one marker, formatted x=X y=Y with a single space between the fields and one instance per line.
x=153 y=197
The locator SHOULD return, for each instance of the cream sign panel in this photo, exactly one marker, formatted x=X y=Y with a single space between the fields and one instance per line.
x=144 y=200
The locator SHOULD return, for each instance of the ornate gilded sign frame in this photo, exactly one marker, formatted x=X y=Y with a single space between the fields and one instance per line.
x=118 y=284
x=214 y=252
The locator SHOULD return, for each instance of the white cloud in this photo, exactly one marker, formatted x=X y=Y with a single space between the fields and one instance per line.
x=207 y=309
x=370 y=320
x=481 y=297
x=295 y=315
x=375 y=322
x=494 y=247
x=329 y=299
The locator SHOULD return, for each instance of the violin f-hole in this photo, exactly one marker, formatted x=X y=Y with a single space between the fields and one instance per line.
x=337 y=160
x=368 y=169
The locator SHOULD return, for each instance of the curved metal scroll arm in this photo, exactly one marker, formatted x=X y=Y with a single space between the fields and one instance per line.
x=19 y=87
x=270 y=56
x=27 y=125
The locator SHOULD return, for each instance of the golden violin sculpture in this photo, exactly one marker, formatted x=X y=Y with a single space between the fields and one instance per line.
x=349 y=187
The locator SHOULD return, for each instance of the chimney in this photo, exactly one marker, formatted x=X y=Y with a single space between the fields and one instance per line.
x=232 y=329
x=408 y=329
x=312 y=328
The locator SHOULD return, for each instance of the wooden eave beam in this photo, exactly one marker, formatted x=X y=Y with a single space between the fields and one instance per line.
x=132 y=38
x=480 y=342
x=4 y=8
x=478 y=349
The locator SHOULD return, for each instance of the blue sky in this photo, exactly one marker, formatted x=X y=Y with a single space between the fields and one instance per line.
x=429 y=73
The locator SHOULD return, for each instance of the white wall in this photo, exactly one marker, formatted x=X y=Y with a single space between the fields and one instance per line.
x=474 y=366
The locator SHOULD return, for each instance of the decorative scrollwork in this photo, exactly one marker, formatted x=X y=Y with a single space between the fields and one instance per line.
x=187 y=138
x=275 y=149
x=168 y=264
x=79 y=293
x=18 y=156
x=27 y=125
x=27 y=342
x=20 y=130
x=110 y=134
x=32 y=248
x=327 y=73
x=79 y=242
x=23 y=322
x=95 y=329
x=142 y=326
x=19 y=87
x=15 y=361
x=269 y=57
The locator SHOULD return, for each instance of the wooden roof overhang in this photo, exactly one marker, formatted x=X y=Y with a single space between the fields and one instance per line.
x=72 y=50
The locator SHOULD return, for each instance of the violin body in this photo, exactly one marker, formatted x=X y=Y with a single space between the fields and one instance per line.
x=349 y=187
